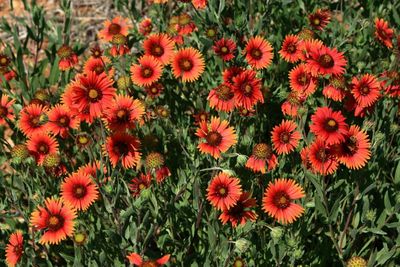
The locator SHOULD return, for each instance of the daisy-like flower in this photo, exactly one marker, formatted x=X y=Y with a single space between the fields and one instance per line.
x=383 y=32
x=124 y=148
x=319 y=19
x=6 y=110
x=306 y=46
x=154 y=90
x=278 y=200
x=329 y=125
x=202 y=115
x=79 y=191
x=225 y=48
x=137 y=260
x=145 y=26
x=292 y=104
x=117 y=25
x=68 y=58
x=137 y=184
x=33 y=119
x=247 y=89
x=218 y=136
x=91 y=93
x=119 y=47
x=390 y=83
x=56 y=219
x=290 y=50
x=182 y=24
x=188 y=64
x=99 y=65
x=222 y=98
x=354 y=151
x=40 y=145
x=148 y=70
x=14 y=249
x=241 y=212
x=336 y=89
x=322 y=158
x=160 y=46
x=123 y=113
x=365 y=90
x=224 y=191
x=324 y=61
x=199 y=4
x=262 y=158
x=258 y=52
x=61 y=120
x=302 y=81
x=285 y=138
x=230 y=73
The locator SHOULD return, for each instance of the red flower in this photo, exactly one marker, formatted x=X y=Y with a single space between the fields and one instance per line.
x=199 y=4
x=319 y=19
x=285 y=138
x=147 y=71
x=278 y=200
x=241 y=212
x=258 y=52
x=139 y=183
x=301 y=80
x=123 y=113
x=145 y=26
x=137 y=260
x=306 y=46
x=247 y=89
x=290 y=50
x=325 y=61
x=383 y=33
x=261 y=158
x=225 y=48
x=124 y=148
x=390 y=83
x=99 y=65
x=117 y=25
x=188 y=63
x=32 y=120
x=354 y=151
x=230 y=73
x=322 y=158
x=160 y=46
x=56 y=220
x=293 y=102
x=79 y=191
x=61 y=120
x=224 y=191
x=219 y=137
x=336 y=89
x=68 y=58
x=365 y=90
x=154 y=90
x=222 y=98
x=329 y=125
x=14 y=249
x=6 y=110
x=92 y=168
x=40 y=145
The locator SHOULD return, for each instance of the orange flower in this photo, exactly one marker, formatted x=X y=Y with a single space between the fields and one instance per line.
x=247 y=89
x=225 y=49
x=230 y=73
x=145 y=26
x=123 y=113
x=390 y=82
x=188 y=63
x=261 y=157
x=79 y=191
x=285 y=138
x=140 y=183
x=301 y=80
x=154 y=90
x=40 y=145
x=6 y=110
x=124 y=148
x=137 y=260
x=290 y=50
x=92 y=168
x=241 y=212
x=258 y=52
x=224 y=191
x=322 y=158
x=61 y=120
x=325 y=61
x=219 y=137
x=319 y=19
x=336 y=89
x=278 y=200
x=160 y=46
x=199 y=4
x=99 y=65
x=306 y=46
x=56 y=220
x=68 y=58
x=147 y=71
x=14 y=249
x=117 y=25
x=32 y=120
x=383 y=33
x=222 y=98
x=366 y=90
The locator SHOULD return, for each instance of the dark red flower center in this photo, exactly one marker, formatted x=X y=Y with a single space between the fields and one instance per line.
x=4 y=61
x=214 y=138
x=331 y=125
x=350 y=146
x=3 y=111
x=284 y=137
x=63 y=121
x=303 y=79
x=154 y=90
x=35 y=121
x=186 y=64
x=203 y=117
x=94 y=95
x=224 y=50
x=123 y=115
x=316 y=21
x=55 y=222
x=326 y=61
x=43 y=148
x=365 y=90
x=281 y=200
x=79 y=191
x=222 y=191
x=224 y=92
x=291 y=48
x=98 y=69
x=114 y=28
x=256 y=53
x=157 y=50
x=147 y=72
x=262 y=151
x=18 y=249
x=322 y=155
x=246 y=88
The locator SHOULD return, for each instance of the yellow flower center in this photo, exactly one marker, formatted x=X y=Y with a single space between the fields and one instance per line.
x=93 y=94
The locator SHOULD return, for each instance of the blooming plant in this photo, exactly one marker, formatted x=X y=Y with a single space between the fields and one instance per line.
x=200 y=133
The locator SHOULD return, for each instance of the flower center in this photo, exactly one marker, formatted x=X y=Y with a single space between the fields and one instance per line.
x=55 y=222
x=3 y=111
x=122 y=115
x=203 y=117
x=326 y=61
x=303 y=79
x=154 y=90
x=121 y=148
x=64 y=51
x=256 y=53
x=211 y=32
x=79 y=191
x=291 y=48
x=247 y=89
x=316 y=21
x=43 y=148
x=222 y=191
x=214 y=138
x=149 y=264
x=63 y=121
x=18 y=249
x=186 y=64
x=114 y=28
x=3 y=61
x=224 y=50
x=98 y=69
x=284 y=137
x=331 y=125
x=35 y=121
x=322 y=155
x=157 y=50
x=281 y=200
x=83 y=140
x=224 y=92
x=141 y=186
x=262 y=151
x=365 y=90
x=93 y=94
x=147 y=72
